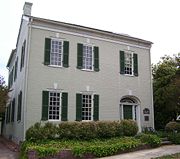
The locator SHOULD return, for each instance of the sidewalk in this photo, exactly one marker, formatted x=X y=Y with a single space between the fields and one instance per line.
x=148 y=154
x=8 y=150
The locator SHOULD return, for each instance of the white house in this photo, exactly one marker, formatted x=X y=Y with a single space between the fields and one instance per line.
x=65 y=72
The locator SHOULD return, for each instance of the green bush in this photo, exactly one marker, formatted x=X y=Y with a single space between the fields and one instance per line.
x=172 y=126
x=174 y=138
x=129 y=127
x=98 y=148
x=82 y=130
x=34 y=133
x=150 y=139
x=39 y=132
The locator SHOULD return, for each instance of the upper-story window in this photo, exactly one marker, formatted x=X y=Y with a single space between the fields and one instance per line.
x=88 y=57
x=23 y=49
x=56 y=52
x=128 y=68
x=128 y=63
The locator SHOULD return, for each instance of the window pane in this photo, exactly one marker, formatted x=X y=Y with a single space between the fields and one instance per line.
x=54 y=105
x=86 y=107
x=87 y=57
x=56 y=53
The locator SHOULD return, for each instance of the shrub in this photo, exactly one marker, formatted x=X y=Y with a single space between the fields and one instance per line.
x=174 y=137
x=39 y=132
x=150 y=139
x=129 y=127
x=34 y=133
x=172 y=126
x=82 y=130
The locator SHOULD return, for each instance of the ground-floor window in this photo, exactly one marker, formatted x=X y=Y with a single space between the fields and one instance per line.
x=54 y=106
x=87 y=107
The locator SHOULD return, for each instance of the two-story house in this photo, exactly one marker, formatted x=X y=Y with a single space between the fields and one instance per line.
x=65 y=72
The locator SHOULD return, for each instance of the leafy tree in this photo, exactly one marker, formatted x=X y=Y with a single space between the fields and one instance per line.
x=166 y=88
x=3 y=95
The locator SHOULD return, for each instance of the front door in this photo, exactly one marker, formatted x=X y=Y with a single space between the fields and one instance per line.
x=127 y=112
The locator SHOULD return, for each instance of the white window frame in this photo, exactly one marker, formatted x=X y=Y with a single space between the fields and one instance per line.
x=125 y=63
x=62 y=44
x=56 y=106
x=92 y=106
x=92 y=62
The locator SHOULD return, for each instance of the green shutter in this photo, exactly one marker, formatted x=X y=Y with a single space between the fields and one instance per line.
x=78 y=107
x=127 y=110
x=19 y=106
x=64 y=107
x=135 y=57
x=13 y=110
x=45 y=105
x=47 y=51
x=66 y=54
x=96 y=58
x=80 y=56
x=122 y=62
x=96 y=107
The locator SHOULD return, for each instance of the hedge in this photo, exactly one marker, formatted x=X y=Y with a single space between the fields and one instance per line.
x=172 y=127
x=82 y=130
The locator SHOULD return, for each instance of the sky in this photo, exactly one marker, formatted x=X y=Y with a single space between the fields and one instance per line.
x=157 y=21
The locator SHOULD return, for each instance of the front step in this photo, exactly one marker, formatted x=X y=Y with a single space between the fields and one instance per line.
x=165 y=141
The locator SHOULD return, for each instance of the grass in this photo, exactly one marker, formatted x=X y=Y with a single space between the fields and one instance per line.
x=174 y=156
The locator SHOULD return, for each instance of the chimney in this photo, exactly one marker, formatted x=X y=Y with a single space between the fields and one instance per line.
x=27 y=8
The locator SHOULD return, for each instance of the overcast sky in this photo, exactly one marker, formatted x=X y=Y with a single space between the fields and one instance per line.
x=157 y=21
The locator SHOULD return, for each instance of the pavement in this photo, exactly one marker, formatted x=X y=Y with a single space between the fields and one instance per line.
x=8 y=150
x=149 y=153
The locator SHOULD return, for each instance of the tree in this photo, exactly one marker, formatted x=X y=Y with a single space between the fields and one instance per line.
x=3 y=95
x=166 y=89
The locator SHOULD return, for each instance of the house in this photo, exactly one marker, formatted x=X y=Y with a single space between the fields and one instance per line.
x=65 y=72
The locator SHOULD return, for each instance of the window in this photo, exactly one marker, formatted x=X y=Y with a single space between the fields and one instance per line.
x=54 y=105
x=128 y=63
x=128 y=69
x=56 y=52
x=23 y=49
x=88 y=57
x=19 y=106
x=13 y=110
x=16 y=68
x=87 y=107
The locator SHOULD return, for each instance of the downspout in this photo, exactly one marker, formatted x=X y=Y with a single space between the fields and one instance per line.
x=26 y=77
x=151 y=88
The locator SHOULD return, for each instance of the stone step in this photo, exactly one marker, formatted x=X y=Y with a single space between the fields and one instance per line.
x=166 y=142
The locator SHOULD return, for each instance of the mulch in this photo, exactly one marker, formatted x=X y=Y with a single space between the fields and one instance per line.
x=9 y=144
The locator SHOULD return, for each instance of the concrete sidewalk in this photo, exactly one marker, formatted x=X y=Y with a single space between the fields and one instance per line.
x=6 y=150
x=148 y=154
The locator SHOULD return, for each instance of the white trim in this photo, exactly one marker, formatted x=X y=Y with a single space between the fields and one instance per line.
x=88 y=36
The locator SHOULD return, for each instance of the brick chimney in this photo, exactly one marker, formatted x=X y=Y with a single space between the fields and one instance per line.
x=27 y=8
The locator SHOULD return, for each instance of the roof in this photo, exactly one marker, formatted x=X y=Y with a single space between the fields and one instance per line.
x=75 y=26
x=11 y=56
